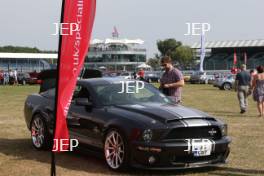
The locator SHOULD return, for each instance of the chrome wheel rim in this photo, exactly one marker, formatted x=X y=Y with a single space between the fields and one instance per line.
x=114 y=150
x=227 y=86
x=37 y=132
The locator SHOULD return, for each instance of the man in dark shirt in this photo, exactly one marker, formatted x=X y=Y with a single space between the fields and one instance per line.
x=242 y=84
x=172 y=81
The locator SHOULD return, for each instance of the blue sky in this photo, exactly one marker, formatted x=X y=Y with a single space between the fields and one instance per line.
x=30 y=22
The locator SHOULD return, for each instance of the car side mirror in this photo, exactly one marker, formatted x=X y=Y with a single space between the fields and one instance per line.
x=83 y=102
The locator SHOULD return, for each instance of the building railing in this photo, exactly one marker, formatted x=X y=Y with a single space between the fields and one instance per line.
x=117 y=49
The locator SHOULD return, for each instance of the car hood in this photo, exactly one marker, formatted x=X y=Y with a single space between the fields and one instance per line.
x=164 y=113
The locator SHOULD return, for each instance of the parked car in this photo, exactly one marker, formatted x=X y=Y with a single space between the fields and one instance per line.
x=126 y=75
x=225 y=82
x=187 y=75
x=110 y=74
x=1 y=77
x=23 y=78
x=143 y=130
x=201 y=78
x=152 y=76
x=34 y=78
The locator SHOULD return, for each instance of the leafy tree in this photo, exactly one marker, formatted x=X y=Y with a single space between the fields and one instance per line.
x=183 y=55
x=180 y=54
x=154 y=63
x=20 y=49
x=167 y=46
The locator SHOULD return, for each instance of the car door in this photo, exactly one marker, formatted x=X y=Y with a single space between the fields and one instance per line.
x=80 y=118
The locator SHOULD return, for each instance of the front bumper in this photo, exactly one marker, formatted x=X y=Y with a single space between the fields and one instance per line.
x=176 y=155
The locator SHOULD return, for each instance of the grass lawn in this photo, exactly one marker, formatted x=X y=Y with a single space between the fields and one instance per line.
x=18 y=158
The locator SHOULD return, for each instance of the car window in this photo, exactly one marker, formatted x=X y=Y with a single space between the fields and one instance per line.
x=110 y=95
x=125 y=74
x=81 y=92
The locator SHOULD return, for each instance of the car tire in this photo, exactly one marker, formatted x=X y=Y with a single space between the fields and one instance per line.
x=116 y=151
x=227 y=86
x=40 y=137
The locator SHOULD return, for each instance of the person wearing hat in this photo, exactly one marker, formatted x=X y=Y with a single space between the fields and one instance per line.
x=242 y=85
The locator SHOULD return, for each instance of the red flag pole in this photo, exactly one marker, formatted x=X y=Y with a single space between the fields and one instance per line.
x=235 y=58
x=71 y=55
x=53 y=158
x=245 y=58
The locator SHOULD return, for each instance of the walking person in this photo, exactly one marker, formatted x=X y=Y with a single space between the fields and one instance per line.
x=15 y=77
x=141 y=74
x=242 y=85
x=258 y=90
x=172 y=81
x=11 y=77
x=6 y=78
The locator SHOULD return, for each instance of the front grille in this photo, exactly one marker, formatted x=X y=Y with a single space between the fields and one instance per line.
x=208 y=132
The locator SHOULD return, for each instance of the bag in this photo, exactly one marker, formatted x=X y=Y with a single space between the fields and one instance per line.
x=165 y=91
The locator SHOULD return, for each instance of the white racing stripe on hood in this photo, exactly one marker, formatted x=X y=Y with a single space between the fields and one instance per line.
x=196 y=122
x=184 y=112
x=137 y=106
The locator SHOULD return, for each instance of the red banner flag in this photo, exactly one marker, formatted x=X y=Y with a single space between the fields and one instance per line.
x=235 y=58
x=73 y=49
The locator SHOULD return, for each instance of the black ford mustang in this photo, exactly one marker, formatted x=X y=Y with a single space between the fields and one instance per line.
x=140 y=128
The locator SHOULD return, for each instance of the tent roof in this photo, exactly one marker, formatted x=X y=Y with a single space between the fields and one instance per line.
x=144 y=65
x=230 y=44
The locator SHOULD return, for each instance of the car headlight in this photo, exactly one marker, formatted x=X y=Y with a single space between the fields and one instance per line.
x=147 y=135
x=224 y=130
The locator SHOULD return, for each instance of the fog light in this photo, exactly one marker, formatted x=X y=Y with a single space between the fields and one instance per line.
x=151 y=159
x=147 y=135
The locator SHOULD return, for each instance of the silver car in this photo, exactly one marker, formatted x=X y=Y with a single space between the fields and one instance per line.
x=225 y=82
x=201 y=78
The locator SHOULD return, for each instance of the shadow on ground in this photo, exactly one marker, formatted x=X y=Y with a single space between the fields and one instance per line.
x=22 y=149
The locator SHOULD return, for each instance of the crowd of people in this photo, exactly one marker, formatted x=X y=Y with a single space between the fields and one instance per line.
x=246 y=84
x=8 y=77
x=172 y=81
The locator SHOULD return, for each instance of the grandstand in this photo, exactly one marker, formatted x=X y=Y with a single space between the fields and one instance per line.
x=27 y=62
x=250 y=52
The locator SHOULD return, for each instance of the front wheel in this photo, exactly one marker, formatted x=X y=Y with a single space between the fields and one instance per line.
x=115 y=150
x=227 y=86
x=39 y=133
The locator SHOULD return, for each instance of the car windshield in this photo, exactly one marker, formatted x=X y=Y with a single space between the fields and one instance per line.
x=129 y=92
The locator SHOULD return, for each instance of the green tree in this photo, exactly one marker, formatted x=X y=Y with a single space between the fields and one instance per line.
x=167 y=46
x=22 y=49
x=183 y=55
x=154 y=63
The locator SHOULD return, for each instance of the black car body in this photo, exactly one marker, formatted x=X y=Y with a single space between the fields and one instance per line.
x=154 y=132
